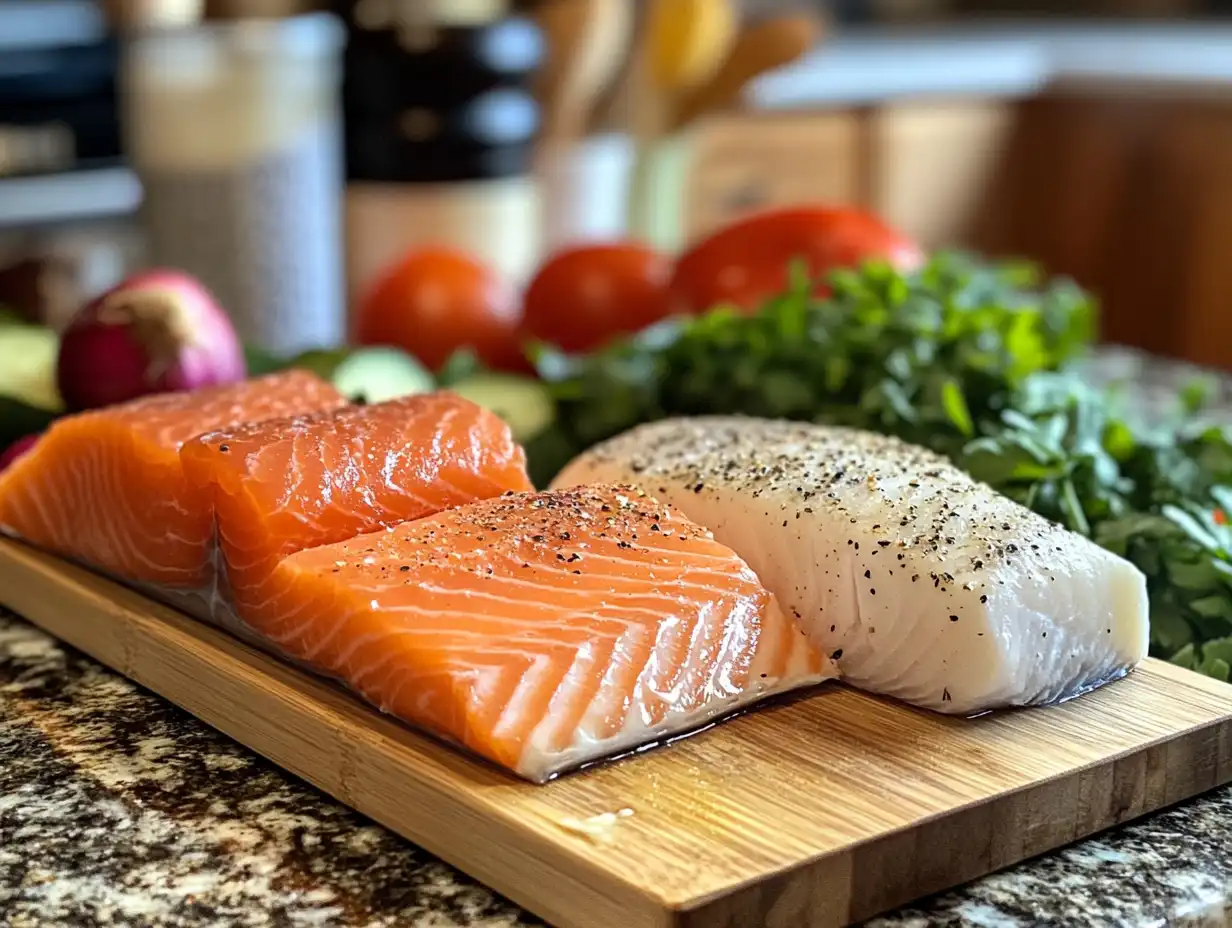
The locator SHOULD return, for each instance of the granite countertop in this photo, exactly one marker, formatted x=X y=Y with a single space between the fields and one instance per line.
x=118 y=809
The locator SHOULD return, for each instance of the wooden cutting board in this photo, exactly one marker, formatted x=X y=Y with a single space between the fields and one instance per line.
x=816 y=811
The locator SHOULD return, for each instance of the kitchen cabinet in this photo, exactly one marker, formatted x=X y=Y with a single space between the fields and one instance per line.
x=1125 y=187
x=930 y=165
x=1131 y=194
x=924 y=166
x=746 y=163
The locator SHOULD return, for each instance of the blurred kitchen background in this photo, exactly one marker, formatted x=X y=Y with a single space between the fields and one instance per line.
x=287 y=154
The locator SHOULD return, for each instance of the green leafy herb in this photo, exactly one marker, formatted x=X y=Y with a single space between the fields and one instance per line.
x=260 y=362
x=974 y=360
x=461 y=365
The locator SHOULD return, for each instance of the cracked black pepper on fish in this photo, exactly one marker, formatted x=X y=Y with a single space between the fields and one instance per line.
x=544 y=630
x=1018 y=610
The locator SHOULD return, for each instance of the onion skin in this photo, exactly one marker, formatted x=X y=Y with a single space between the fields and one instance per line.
x=156 y=332
x=18 y=448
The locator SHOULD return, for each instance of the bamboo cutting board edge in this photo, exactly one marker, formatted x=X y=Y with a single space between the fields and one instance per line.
x=524 y=852
x=26 y=579
x=716 y=909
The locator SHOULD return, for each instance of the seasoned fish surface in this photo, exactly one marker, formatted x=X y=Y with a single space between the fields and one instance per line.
x=283 y=485
x=542 y=630
x=922 y=583
x=106 y=487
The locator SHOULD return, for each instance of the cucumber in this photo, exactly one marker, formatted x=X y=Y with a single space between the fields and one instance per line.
x=260 y=362
x=378 y=374
x=321 y=361
x=29 y=399
x=369 y=375
x=28 y=366
x=522 y=402
x=18 y=419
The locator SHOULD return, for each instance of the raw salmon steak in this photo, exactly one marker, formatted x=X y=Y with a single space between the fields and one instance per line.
x=542 y=630
x=106 y=487
x=280 y=486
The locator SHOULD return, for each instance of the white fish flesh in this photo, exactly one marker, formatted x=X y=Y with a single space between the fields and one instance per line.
x=922 y=583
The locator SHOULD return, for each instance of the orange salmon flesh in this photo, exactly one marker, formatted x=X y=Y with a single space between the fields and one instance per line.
x=541 y=630
x=284 y=485
x=106 y=487
x=401 y=549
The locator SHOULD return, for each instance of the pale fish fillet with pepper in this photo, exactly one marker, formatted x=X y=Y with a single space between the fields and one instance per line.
x=920 y=582
x=541 y=630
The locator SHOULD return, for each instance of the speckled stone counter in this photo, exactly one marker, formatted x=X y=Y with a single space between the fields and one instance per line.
x=117 y=809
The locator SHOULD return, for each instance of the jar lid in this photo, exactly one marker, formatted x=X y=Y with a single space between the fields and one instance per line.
x=452 y=65
x=391 y=158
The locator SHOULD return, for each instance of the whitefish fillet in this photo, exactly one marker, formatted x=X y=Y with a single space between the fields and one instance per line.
x=922 y=583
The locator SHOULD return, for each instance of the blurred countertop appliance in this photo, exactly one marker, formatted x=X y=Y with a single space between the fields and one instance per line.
x=60 y=145
x=57 y=88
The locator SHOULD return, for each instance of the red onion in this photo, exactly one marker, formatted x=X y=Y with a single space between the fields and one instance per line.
x=156 y=332
x=16 y=450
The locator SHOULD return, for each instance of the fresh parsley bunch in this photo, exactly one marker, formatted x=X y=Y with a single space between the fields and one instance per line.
x=971 y=359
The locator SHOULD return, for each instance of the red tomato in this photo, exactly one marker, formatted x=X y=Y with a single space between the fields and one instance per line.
x=749 y=261
x=584 y=296
x=437 y=300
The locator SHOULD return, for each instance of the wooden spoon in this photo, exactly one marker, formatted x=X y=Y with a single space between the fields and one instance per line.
x=585 y=40
x=759 y=48
x=615 y=104
x=685 y=43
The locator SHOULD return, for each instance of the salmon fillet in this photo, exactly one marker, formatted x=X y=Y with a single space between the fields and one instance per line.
x=279 y=486
x=541 y=630
x=106 y=487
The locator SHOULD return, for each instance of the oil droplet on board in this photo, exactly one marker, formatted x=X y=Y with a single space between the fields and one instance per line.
x=598 y=829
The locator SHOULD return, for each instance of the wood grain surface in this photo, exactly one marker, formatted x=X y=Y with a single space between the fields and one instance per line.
x=816 y=811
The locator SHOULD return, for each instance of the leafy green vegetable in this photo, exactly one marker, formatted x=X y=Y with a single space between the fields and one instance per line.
x=462 y=365
x=19 y=419
x=974 y=360
x=261 y=362
x=926 y=355
x=11 y=317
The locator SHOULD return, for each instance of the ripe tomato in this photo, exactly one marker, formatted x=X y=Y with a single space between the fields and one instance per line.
x=585 y=295
x=749 y=261
x=437 y=300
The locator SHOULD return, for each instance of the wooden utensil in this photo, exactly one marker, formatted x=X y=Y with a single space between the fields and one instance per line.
x=759 y=48
x=585 y=42
x=816 y=812
x=614 y=104
x=411 y=18
x=684 y=43
x=135 y=15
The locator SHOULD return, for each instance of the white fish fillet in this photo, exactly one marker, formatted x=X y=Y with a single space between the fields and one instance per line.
x=924 y=584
